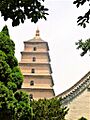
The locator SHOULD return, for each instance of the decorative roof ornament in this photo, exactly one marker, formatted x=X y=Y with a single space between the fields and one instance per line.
x=37 y=35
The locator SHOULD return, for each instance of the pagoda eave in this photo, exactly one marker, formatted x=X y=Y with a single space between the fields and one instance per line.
x=29 y=74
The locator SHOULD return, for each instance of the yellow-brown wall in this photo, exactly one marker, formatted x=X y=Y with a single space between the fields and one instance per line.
x=39 y=69
x=40 y=93
x=41 y=47
x=37 y=81
x=79 y=107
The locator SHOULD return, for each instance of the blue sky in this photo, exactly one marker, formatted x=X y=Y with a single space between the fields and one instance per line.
x=61 y=32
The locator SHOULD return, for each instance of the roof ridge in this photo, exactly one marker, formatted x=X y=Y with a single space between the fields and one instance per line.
x=81 y=80
x=76 y=89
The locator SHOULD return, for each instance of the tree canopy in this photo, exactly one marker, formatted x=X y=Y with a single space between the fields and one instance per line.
x=85 y=46
x=48 y=109
x=9 y=70
x=20 y=10
x=82 y=118
x=14 y=104
x=83 y=20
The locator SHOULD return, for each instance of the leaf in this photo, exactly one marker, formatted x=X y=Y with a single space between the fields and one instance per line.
x=44 y=17
x=75 y=2
x=17 y=10
x=84 y=25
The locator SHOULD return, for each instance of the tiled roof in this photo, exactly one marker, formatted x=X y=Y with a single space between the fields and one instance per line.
x=76 y=89
x=35 y=40
x=37 y=37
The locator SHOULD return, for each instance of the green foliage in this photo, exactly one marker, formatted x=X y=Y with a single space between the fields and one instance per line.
x=6 y=44
x=48 y=109
x=14 y=106
x=21 y=96
x=11 y=60
x=82 y=118
x=7 y=102
x=5 y=31
x=9 y=70
x=23 y=109
x=85 y=46
x=19 y=10
x=83 y=20
x=12 y=86
x=5 y=71
x=17 y=78
x=2 y=56
x=11 y=107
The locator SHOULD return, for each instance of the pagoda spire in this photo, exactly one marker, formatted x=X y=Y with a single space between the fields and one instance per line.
x=37 y=35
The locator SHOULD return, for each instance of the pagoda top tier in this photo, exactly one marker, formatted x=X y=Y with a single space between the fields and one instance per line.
x=37 y=37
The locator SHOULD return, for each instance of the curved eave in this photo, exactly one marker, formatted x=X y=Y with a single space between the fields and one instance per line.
x=36 y=75
x=74 y=86
x=33 y=40
x=51 y=89
x=76 y=89
x=38 y=88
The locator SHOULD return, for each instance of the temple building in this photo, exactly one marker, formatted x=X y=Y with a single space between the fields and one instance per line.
x=38 y=82
x=77 y=99
x=36 y=69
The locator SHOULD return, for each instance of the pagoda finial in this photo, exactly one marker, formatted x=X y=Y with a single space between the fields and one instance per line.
x=37 y=35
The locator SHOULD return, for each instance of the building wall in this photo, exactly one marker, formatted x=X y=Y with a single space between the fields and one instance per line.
x=39 y=69
x=40 y=93
x=29 y=58
x=35 y=66
x=38 y=81
x=79 y=107
x=40 y=47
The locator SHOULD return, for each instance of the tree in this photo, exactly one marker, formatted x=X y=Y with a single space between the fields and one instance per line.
x=85 y=46
x=7 y=101
x=19 y=10
x=48 y=109
x=83 y=20
x=9 y=70
x=82 y=118
x=22 y=110
x=14 y=104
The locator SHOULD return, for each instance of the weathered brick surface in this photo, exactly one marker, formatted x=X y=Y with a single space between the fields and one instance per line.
x=38 y=49
x=80 y=106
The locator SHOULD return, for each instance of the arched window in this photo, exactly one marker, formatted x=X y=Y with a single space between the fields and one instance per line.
x=34 y=49
x=31 y=83
x=34 y=59
x=33 y=70
x=31 y=96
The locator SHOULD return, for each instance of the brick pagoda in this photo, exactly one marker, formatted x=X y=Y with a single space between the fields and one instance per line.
x=36 y=69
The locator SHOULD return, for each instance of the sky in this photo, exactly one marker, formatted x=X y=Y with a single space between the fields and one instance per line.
x=61 y=32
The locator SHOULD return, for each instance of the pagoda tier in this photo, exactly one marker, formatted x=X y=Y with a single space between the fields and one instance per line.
x=27 y=57
x=36 y=69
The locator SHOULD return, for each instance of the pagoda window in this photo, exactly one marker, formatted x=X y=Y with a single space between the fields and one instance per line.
x=31 y=83
x=34 y=49
x=31 y=96
x=33 y=71
x=34 y=59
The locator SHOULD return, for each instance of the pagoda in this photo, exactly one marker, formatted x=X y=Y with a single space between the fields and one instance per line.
x=36 y=69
